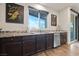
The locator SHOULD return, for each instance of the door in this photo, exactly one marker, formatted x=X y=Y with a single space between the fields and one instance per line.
x=73 y=28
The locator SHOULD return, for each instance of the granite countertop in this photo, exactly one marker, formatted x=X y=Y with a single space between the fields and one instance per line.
x=25 y=34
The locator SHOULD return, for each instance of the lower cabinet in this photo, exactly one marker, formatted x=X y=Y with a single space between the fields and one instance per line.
x=29 y=45
x=17 y=46
x=49 y=41
x=63 y=38
x=10 y=46
x=40 y=42
x=13 y=49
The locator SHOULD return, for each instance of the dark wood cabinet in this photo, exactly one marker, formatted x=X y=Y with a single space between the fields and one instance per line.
x=13 y=49
x=10 y=46
x=49 y=40
x=63 y=38
x=25 y=45
x=29 y=45
x=40 y=42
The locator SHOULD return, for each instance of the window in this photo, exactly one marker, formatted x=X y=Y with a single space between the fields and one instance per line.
x=43 y=20
x=37 y=19
x=33 y=19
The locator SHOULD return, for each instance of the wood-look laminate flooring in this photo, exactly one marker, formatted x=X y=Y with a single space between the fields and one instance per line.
x=64 y=50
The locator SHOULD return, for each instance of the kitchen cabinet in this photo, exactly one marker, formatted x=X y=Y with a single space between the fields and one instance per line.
x=13 y=49
x=63 y=38
x=10 y=46
x=49 y=41
x=17 y=46
x=29 y=45
x=40 y=42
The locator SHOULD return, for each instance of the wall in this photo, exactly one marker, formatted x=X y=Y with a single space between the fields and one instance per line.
x=49 y=20
x=64 y=21
x=21 y=27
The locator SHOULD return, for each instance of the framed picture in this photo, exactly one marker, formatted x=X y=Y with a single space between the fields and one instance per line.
x=14 y=13
x=53 y=20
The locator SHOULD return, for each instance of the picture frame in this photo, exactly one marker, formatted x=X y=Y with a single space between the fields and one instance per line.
x=14 y=13
x=53 y=20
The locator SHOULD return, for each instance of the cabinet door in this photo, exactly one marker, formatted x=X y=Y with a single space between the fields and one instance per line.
x=50 y=39
x=13 y=48
x=10 y=46
x=40 y=42
x=63 y=38
x=28 y=45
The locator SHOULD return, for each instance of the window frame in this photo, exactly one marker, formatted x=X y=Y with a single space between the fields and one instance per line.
x=39 y=17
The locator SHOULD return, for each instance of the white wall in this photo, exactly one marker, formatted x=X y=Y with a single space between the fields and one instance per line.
x=49 y=19
x=64 y=21
x=21 y=27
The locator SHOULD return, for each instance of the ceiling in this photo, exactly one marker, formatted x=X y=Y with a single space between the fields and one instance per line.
x=60 y=6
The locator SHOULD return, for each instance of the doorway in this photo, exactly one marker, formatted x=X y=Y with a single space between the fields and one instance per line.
x=74 y=27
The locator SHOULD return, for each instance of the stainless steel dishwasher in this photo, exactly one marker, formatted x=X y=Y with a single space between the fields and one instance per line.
x=56 y=39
